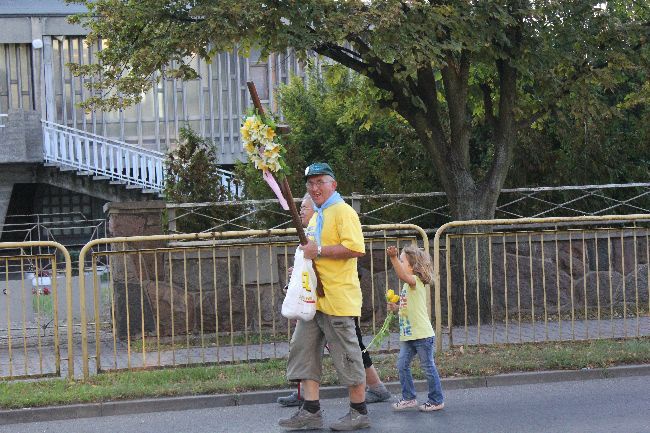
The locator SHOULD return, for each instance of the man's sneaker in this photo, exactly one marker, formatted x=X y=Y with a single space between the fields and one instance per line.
x=431 y=407
x=352 y=421
x=405 y=404
x=303 y=420
x=377 y=395
x=291 y=400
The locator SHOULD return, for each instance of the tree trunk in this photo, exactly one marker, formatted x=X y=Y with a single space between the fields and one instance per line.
x=470 y=261
x=469 y=198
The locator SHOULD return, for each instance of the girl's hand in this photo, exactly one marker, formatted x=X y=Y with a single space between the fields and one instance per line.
x=392 y=307
x=391 y=251
x=400 y=270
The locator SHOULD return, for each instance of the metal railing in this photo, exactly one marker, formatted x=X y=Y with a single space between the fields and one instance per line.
x=428 y=210
x=208 y=297
x=542 y=279
x=29 y=321
x=230 y=182
x=72 y=229
x=53 y=227
x=100 y=156
x=168 y=300
x=115 y=160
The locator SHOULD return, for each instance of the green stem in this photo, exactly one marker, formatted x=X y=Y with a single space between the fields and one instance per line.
x=383 y=332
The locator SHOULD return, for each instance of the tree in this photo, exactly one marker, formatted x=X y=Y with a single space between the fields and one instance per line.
x=468 y=76
x=192 y=176
x=334 y=117
x=449 y=68
x=378 y=155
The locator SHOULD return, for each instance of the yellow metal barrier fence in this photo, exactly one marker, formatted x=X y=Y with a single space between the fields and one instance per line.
x=541 y=279
x=185 y=299
x=31 y=310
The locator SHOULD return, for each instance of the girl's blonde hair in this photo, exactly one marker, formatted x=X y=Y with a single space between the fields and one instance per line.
x=420 y=261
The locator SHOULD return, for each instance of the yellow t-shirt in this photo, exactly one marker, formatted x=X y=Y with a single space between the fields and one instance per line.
x=340 y=278
x=414 y=322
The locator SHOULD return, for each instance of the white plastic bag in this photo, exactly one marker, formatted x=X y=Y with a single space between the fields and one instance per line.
x=300 y=300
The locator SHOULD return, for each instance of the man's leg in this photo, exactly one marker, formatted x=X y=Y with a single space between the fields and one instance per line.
x=372 y=377
x=310 y=390
x=305 y=364
x=357 y=393
x=311 y=387
x=344 y=350
x=376 y=391
x=295 y=398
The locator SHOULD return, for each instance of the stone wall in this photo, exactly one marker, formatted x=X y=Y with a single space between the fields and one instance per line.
x=579 y=273
x=206 y=289
x=130 y=272
x=189 y=290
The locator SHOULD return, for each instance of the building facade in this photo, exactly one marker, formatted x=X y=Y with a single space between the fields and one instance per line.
x=50 y=147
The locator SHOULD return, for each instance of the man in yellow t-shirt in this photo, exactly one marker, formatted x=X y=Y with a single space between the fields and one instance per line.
x=335 y=243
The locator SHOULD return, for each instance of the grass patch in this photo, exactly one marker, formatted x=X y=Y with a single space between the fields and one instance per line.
x=470 y=361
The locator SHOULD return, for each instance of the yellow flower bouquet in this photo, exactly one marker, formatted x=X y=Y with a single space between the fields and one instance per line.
x=392 y=297
x=263 y=147
x=384 y=331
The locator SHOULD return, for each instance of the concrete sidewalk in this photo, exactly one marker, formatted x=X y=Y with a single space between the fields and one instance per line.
x=260 y=397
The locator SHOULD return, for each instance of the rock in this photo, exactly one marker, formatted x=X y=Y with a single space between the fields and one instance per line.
x=169 y=305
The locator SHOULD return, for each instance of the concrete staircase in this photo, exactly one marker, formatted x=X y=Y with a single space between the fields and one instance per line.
x=37 y=151
x=109 y=161
x=103 y=159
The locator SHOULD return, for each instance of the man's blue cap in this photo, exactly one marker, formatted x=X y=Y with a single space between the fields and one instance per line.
x=319 y=168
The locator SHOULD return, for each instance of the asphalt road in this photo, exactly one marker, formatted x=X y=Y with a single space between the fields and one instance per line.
x=605 y=405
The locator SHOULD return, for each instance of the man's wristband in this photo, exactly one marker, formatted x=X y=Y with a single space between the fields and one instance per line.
x=319 y=251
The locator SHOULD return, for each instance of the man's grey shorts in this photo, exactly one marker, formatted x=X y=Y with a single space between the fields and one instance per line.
x=308 y=341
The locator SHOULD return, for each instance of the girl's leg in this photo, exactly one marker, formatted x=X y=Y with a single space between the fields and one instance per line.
x=424 y=349
x=406 y=354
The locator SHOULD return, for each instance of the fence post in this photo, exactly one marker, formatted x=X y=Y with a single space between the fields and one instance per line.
x=128 y=219
x=356 y=203
x=171 y=220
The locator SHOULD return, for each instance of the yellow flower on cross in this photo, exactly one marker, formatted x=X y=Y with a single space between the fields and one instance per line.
x=259 y=140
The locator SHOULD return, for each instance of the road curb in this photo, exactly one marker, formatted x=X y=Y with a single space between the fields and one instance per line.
x=125 y=407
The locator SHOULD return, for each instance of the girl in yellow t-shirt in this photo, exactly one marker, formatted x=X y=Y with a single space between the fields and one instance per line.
x=413 y=267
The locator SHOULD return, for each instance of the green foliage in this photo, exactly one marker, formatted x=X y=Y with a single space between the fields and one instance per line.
x=468 y=77
x=192 y=176
x=382 y=334
x=336 y=118
x=192 y=171
x=603 y=140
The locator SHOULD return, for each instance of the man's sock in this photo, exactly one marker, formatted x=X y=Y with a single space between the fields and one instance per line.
x=311 y=406
x=360 y=407
x=378 y=387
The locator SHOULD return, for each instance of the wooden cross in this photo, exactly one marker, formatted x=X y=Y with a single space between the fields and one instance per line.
x=284 y=185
